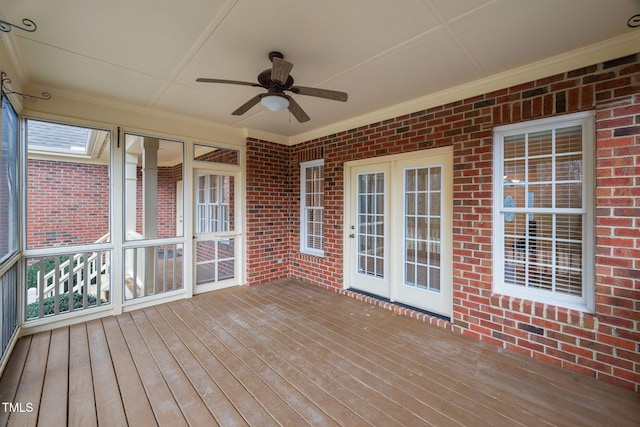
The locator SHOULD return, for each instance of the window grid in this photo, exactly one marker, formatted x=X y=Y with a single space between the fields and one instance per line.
x=312 y=207
x=422 y=227
x=544 y=210
x=370 y=224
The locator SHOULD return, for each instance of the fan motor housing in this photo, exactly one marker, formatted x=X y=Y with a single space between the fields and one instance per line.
x=264 y=78
x=275 y=54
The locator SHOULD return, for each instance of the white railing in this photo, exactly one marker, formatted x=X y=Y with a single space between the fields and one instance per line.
x=81 y=281
x=74 y=281
x=93 y=267
x=151 y=269
x=134 y=264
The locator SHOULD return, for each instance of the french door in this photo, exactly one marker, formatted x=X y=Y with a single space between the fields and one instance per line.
x=369 y=228
x=217 y=235
x=399 y=228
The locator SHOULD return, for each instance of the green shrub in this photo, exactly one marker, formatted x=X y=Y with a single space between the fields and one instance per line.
x=49 y=304
x=34 y=270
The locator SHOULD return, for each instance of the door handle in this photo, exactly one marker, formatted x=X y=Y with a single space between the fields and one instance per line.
x=352 y=235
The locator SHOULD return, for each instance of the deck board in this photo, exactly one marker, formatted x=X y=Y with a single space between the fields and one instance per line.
x=164 y=406
x=532 y=386
x=30 y=388
x=81 y=401
x=12 y=375
x=300 y=403
x=374 y=362
x=244 y=402
x=367 y=366
x=134 y=399
x=191 y=405
x=331 y=407
x=348 y=370
x=109 y=406
x=319 y=371
x=212 y=396
x=56 y=381
x=264 y=396
x=435 y=374
x=288 y=353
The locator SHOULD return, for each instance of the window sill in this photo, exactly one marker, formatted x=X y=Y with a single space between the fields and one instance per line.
x=307 y=256
x=517 y=299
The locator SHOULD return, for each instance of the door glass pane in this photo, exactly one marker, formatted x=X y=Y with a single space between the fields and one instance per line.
x=215 y=260
x=422 y=227
x=205 y=262
x=226 y=259
x=370 y=227
x=214 y=203
x=153 y=169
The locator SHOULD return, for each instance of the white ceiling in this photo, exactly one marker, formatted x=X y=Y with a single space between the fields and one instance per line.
x=383 y=53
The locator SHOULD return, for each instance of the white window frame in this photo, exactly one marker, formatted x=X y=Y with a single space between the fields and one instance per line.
x=586 y=302
x=304 y=209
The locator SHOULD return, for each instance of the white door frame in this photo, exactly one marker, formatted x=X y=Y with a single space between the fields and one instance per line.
x=441 y=156
x=379 y=285
x=237 y=234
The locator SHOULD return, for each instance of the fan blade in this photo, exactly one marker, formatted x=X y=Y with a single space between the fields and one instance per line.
x=280 y=70
x=230 y=82
x=247 y=105
x=297 y=110
x=320 y=93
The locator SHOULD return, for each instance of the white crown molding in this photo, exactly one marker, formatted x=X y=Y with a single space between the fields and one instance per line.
x=594 y=54
x=266 y=136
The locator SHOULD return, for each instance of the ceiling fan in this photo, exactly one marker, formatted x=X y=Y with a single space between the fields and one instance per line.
x=276 y=81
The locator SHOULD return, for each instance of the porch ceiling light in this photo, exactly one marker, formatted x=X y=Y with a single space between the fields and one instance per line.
x=275 y=102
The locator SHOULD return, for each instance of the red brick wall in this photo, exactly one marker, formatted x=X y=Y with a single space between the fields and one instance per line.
x=617 y=336
x=604 y=345
x=268 y=219
x=168 y=176
x=68 y=203
x=220 y=155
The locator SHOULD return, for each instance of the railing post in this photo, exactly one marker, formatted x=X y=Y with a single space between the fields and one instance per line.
x=87 y=280
x=56 y=288
x=70 y=281
x=41 y=286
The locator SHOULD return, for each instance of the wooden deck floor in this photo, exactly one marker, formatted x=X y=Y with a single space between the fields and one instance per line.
x=289 y=354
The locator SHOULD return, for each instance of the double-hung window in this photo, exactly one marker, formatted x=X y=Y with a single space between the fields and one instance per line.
x=543 y=211
x=311 y=207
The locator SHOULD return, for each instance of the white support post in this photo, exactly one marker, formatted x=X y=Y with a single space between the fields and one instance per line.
x=150 y=149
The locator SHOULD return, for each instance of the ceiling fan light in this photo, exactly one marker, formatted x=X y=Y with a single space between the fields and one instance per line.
x=275 y=102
